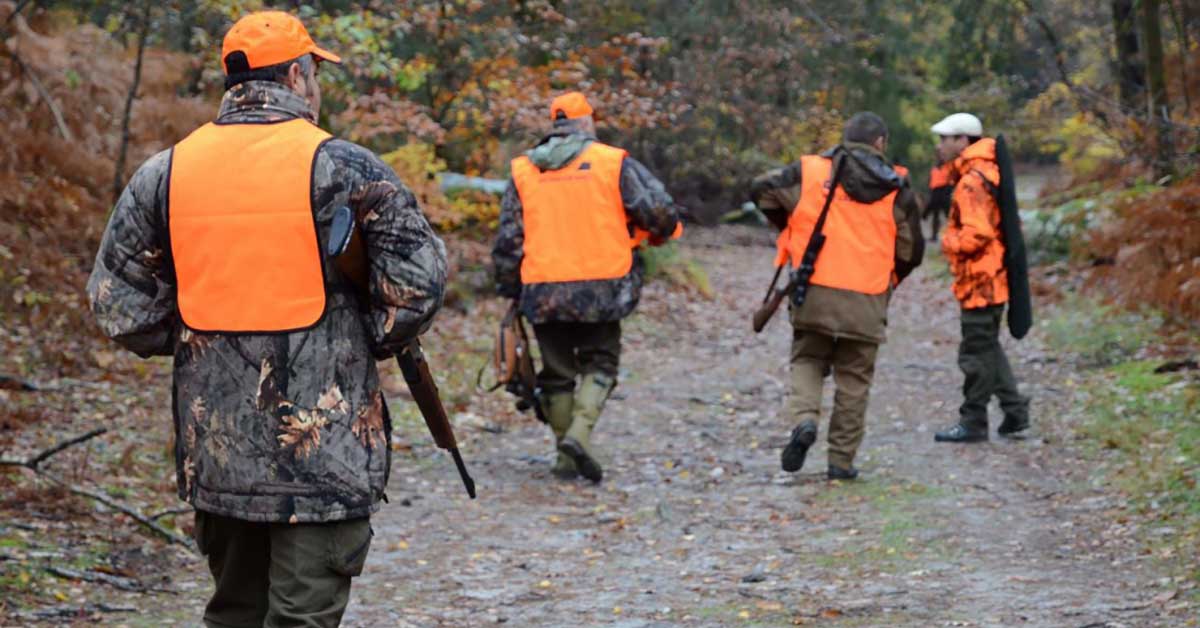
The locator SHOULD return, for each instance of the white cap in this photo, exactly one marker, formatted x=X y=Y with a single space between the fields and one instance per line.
x=959 y=124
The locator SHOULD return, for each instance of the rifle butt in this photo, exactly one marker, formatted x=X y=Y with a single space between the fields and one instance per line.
x=766 y=312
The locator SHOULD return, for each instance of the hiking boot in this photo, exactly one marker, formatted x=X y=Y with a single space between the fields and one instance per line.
x=559 y=408
x=961 y=434
x=589 y=403
x=1013 y=425
x=840 y=473
x=803 y=436
x=584 y=462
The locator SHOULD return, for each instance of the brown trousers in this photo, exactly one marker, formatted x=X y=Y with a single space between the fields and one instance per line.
x=853 y=365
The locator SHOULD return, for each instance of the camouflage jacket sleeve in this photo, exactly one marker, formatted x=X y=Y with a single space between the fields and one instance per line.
x=132 y=288
x=509 y=248
x=910 y=243
x=776 y=193
x=646 y=200
x=407 y=261
x=978 y=217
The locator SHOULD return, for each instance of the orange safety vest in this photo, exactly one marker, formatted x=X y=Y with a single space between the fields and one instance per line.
x=243 y=233
x=575 y=223
x=860 y=245
x=941 y=175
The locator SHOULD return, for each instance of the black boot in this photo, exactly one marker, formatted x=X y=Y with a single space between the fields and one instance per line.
x=838 y=473
x=961 y=433
x=793 y=455
x=584 y=462
x=1013 y=425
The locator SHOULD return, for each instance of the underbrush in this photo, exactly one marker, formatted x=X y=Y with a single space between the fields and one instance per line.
x=1141 y=421
x=669 y=262
x=1100 y=335
x=1146 y=251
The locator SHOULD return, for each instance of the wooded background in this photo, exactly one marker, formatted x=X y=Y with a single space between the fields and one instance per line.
x=706 y=93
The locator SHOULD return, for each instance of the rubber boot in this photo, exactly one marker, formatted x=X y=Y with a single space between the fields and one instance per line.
x=559 y=407
x=589 y=402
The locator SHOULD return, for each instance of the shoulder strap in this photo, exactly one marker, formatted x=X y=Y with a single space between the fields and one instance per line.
x=839 y=161
x=991 y=187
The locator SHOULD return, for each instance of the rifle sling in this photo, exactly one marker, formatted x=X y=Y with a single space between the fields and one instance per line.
x=833 y=183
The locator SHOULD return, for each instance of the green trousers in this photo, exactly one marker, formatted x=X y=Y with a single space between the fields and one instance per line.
x=279 y=574
x=573 y=349
x=986 y=371
x=853 y=366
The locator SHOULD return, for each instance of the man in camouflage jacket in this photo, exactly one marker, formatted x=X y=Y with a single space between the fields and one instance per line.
x=577 y=323
x=973 y=244
x=281 y=439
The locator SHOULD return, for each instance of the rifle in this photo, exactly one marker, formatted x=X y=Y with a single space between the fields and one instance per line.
x=514 y=363
x=798 y=280
x=425 y=392
x=343 y=238
x=773 y=298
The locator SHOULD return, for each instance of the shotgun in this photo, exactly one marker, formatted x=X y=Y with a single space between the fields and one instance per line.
x=349 y=255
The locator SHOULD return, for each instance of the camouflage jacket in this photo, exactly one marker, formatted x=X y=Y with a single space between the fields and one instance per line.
x=647 y=205
x=867 y=177
x=288 y=426
x=972 y=242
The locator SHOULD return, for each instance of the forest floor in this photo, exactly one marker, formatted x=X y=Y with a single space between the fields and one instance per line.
x=694 y=525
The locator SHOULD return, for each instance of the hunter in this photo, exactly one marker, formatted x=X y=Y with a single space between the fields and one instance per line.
x=570 y=220
x=974 y=248
x=873 y=242
x=216 y=255
x=941 y=186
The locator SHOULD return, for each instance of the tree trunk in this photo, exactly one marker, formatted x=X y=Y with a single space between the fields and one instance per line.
x=119 y=174
x=1160 y=112
x=1131 y=76
x=1185 y=46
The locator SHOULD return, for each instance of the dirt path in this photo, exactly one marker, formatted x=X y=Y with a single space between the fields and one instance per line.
x=695 y=524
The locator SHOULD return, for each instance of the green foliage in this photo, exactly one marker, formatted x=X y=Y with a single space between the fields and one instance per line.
x=670 y=263
x=418 y=165
x=1099 y=334
x=1150 y=421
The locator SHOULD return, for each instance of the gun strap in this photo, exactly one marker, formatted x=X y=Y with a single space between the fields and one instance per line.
x=839 y=162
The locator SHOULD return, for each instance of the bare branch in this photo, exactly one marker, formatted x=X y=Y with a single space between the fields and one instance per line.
x=133 y=513
x=61 y=123
x=1060 y=61
x=124 y=584
x=41 y=457
x=20 y=6
x=10 y=382
x=119 y=174
x=171 y=512
x=136 y=515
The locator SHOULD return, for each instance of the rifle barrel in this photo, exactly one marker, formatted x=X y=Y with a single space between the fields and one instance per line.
x=462 y=472
x=425 y=393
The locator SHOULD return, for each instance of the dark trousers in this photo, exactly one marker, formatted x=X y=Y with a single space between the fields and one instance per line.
x=280 y=574
x=986 y=371
x=573 y=349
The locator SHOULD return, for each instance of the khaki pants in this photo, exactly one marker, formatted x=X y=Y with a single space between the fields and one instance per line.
x=280 y=574
x=853 y=366
x=986 y=371
x=570 y=350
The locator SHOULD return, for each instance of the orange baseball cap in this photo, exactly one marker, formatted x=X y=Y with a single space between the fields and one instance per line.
x=271 y=37
x=571 y=105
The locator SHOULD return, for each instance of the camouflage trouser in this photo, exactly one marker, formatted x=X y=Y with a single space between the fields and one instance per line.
x=280 y=574
x=853 y=366
x=985 y=368
x=573 y=349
